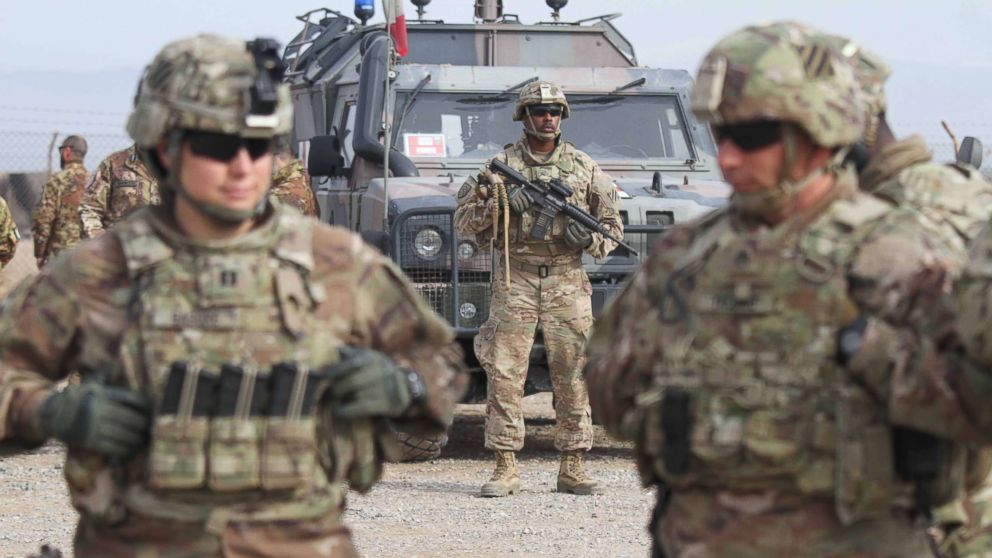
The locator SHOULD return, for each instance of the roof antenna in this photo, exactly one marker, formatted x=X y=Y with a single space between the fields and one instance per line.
x=556 y=5
x=420 y=4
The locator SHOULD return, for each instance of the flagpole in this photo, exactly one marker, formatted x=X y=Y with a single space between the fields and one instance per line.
x=385 y=123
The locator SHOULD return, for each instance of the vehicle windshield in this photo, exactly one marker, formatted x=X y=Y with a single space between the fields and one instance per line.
x=478 y=125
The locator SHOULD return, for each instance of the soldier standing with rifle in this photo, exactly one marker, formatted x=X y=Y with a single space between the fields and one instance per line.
x=541 y=282
x=240 y=363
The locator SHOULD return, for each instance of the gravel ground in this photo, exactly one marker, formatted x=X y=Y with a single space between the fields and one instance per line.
x=429 y=509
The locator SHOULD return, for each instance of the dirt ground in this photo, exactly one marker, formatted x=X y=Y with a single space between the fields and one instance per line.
x=429 y=509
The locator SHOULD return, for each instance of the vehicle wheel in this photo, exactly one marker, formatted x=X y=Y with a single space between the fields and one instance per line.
x=416 y=448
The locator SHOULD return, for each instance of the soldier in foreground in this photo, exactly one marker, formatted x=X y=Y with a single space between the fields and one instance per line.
x=55 y=225
x=769 y=360
x=547 y=286
x=291 y=182
x=240 y=362
x=120 y=185
x=955 y=202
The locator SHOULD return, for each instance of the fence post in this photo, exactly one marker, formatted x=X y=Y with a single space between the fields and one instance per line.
x=51 y=145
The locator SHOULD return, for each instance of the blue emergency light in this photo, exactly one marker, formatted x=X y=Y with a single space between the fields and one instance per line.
x=364 y=10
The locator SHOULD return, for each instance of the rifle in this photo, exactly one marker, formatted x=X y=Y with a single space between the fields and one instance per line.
x=551 y=201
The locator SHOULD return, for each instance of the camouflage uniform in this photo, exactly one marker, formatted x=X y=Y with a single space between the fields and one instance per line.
x=56 y=225
x=8 y=234
x=291 y=186
x=560 y=301
x=75 y=312
x=974 y=330
x=729 y=359
x=120 y=185
x=548 y=287
x=954 y=202
x=228 y=472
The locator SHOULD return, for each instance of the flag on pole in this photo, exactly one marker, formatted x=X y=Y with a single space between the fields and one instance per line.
x=397 y=24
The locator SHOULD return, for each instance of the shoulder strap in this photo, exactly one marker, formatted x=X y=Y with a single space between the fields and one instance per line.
x=142 y=247
x=836 y=236
x=295 y=242
x=856 y=212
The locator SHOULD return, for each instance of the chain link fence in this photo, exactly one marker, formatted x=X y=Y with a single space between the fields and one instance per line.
x=28 y=158
x=30 y=152
x=26 y=161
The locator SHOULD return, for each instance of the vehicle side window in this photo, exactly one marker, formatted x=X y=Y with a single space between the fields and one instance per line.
x=348 y=134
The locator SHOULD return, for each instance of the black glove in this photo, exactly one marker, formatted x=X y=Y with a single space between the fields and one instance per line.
x=519 y=199
x=367 y=383
x=112 y=421
x=577 y=237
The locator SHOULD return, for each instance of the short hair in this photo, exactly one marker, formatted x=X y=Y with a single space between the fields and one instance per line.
x=77 y=144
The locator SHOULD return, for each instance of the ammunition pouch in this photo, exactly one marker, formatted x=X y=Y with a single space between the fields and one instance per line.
x=259 y=434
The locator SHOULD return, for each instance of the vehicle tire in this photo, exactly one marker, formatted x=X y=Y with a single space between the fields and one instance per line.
x=416 y=448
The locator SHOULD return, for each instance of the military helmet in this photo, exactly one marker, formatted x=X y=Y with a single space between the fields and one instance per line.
x=540 y=93
x=774 y=72
x=869 y=69
x=212 y=84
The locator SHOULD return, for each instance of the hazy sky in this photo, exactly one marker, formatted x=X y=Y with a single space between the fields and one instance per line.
x=78 y=62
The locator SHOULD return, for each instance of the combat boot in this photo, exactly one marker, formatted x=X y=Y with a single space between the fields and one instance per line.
x=505 y=479
x=571 y=478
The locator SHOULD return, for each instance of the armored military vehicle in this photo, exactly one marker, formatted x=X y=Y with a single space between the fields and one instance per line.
x=448 y=108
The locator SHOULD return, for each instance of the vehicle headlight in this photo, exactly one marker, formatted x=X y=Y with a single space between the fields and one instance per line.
x=466 y=250
x=467 y=311
x=428 y=243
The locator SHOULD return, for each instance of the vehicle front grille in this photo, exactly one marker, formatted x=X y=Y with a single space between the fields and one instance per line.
x=451 y=273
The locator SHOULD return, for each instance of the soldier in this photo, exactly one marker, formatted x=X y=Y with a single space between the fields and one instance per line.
x=547 y=286
x=768 y=360
x=955 y=200
x=955 y=203
x=56 y=223
x=239 y=362
x=120 y=185
x=291 y=182
x=9 y=236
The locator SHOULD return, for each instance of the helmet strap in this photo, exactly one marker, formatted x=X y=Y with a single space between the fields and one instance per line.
x=224 y=216
x=543 y=136
x=776 y=198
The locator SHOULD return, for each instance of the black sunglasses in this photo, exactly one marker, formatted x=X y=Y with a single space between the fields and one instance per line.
x=223 y=147
x=542 y=110
x=751 y=136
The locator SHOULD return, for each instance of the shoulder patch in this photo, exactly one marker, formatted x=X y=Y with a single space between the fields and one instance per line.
x=466 y=188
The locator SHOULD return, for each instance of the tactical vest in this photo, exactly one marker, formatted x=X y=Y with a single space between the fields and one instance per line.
x=564 y=165
x=749 y=395
x=226 y=343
